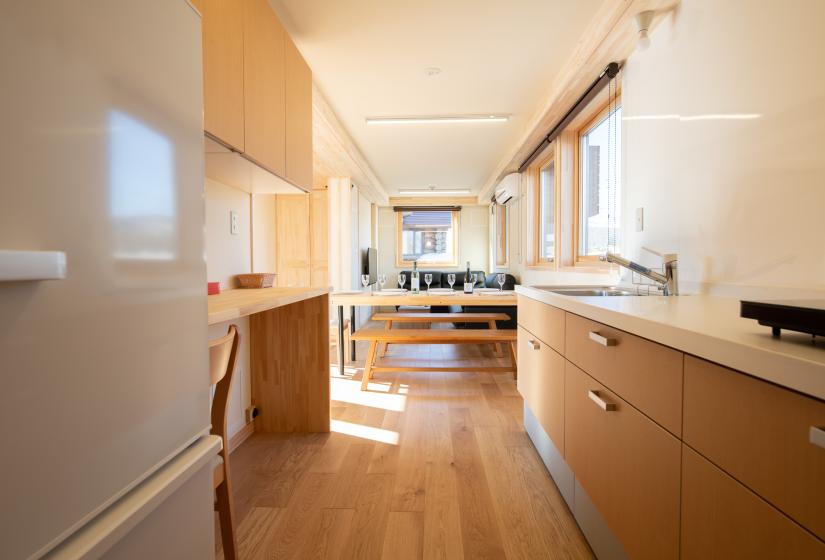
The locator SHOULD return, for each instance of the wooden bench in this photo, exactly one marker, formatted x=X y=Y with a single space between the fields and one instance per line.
x=437 y=336
x=411 y=317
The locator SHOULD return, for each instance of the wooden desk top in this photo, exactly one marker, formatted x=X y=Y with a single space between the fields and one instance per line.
x=460 y=298
x=233 y=304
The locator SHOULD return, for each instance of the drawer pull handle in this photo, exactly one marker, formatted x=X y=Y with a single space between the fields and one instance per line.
x=817 y=436
x=603 y=340
x=534 y=344
x=603 y=404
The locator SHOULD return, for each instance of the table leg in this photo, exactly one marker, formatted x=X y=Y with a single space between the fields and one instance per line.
x=341 y=339
x=352 y=331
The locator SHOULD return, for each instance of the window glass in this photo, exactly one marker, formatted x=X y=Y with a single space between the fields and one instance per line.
x=600 y=188
x=427 y=236
x=547 y=213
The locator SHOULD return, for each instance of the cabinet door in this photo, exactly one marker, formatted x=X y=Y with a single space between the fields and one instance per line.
x=721 y=519
x=292 y=230
x=319 y=239
x=264 y=90
x=298 y=117
x=543 y=385
x=628 y=465
x=223 y=70
x=544 y=321
x=761 y=435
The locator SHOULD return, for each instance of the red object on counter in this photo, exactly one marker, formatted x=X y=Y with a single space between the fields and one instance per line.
x=213 y=288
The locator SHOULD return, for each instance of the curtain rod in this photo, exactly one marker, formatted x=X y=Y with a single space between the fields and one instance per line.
x=606 y=75
x=426 y=208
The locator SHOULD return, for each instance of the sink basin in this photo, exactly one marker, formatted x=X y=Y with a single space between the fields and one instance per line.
x=583 y=291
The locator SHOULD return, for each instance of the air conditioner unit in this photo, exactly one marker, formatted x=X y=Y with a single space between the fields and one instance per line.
x=507 y=190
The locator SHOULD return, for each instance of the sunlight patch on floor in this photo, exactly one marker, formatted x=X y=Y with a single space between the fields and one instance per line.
x=364 y=432
x=349 y=391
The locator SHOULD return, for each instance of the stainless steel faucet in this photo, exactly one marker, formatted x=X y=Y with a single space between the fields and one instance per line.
x=668 y=282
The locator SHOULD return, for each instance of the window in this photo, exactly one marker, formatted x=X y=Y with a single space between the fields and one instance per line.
x=500 y=248
x=599 y=195
x=427 y=236
x=544 y=224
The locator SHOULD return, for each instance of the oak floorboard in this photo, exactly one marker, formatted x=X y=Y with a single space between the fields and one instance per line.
x=422 y=465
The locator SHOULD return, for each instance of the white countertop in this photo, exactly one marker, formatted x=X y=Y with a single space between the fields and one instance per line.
x=708 y=327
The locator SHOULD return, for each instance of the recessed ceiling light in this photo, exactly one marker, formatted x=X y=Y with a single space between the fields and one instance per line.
x=433 y=192
x=432 y=71
x=438 y=119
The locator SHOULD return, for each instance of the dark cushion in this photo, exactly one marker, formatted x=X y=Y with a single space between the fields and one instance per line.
x=509 y=281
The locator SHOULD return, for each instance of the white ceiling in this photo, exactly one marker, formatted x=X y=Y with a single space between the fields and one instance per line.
x=369 y=57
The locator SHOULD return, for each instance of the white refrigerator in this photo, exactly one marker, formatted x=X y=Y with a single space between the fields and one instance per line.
x=104 y=384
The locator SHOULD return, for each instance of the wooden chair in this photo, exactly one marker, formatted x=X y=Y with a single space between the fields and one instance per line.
x=222 y=354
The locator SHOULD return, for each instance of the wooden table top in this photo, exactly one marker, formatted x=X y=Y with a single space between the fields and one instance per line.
x=233 y=304
x=460 y=298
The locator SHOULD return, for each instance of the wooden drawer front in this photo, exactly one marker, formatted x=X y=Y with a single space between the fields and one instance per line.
x=723 y=519
x=544 y=321
x=628 y=465
x=645 y=374
x=760 y=434
x=544 y=388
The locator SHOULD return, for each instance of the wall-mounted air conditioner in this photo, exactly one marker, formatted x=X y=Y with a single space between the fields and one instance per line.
x=507 y=190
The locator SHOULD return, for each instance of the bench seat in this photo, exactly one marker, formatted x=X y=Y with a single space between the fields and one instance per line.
x=436 y=336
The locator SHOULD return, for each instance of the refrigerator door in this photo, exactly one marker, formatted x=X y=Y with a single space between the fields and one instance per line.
x=104 y=373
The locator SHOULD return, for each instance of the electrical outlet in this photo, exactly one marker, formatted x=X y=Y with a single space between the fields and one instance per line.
x=234 y=221
x=640 y=219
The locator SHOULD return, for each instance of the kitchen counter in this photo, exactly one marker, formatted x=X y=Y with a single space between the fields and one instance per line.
x=289 y=346
x=233 y=304
x=708 y=327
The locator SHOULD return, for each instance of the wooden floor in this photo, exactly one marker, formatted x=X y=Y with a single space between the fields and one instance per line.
x=423 y=465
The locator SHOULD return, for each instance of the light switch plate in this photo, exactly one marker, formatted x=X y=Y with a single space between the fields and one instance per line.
x=233 y=222
x=640 y=219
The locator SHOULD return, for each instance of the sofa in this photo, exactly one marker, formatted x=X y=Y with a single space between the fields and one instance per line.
x=482 y=280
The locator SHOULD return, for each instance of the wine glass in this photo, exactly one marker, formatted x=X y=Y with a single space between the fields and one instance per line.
x=428 y=278
x=365 y=280
x=382 y=279
x=500 y=278
x=451 y=280
x=402 y=279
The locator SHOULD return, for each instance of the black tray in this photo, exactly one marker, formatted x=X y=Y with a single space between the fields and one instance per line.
x=807 y=316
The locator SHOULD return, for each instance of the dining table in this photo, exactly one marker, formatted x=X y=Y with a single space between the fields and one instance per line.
x=376 y=298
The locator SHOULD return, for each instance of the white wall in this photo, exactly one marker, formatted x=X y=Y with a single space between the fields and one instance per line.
x=264 y=233
x=226 y=256
x=742 y=200
x=474 y=240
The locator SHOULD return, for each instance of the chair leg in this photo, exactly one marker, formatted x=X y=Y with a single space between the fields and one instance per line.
x=365 y=379
x=496 y=346
x=512 y=348
x=225 y=508
x=386 y=344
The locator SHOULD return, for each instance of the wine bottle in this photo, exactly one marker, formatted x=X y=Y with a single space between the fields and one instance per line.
x=414 y=278
x=468 y=284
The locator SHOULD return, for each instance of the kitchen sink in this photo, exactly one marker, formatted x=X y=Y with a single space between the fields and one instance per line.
x=583 y=291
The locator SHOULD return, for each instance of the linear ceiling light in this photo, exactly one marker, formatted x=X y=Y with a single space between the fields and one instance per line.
x=427 y=192
x=438 y=119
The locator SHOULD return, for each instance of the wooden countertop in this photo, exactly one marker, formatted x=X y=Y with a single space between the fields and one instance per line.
x=233 y=304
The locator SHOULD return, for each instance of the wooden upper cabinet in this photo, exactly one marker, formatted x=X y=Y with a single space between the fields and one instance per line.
x=264 y=86
x=298 y=117
x=223 y=70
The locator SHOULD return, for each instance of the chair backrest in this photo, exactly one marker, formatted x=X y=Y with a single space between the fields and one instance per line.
x=222 y=354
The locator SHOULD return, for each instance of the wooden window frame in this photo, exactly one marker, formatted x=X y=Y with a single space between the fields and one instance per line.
x=400 y=263
x=536 y=259
x=505 y=234
x=602 y=111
